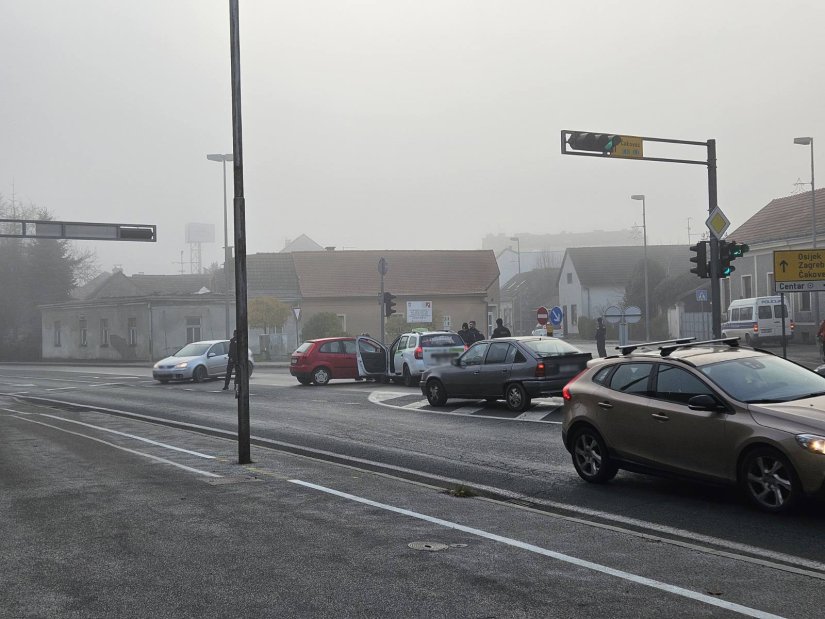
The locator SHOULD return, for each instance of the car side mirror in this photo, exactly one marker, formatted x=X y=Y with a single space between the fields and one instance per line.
x=210 y=355
x=705 y=402
x=455 y=362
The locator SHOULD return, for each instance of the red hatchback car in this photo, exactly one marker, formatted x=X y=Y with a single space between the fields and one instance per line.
x=319 y=361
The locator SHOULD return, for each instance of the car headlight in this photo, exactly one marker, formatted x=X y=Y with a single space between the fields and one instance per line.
x=812 y=442
x=182 y=364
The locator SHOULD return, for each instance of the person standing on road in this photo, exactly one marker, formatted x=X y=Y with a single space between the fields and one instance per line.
x=232 y=362
x=601 y=336
x=464 y=332
x=820 y=335
x=500 y=330
x=473 y=334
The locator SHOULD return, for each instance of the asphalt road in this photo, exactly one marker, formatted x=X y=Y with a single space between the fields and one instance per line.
x=645 y=525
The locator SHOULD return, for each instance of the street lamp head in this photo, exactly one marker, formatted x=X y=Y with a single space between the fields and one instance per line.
x=803 y=141
x=514 y=238
x=219 y=157
x=637 y=196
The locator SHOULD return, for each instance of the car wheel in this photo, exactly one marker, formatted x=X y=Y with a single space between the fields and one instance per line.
x=590 y=457
x=748 y=341
x=250 y=368
x=408 y=378
x=200 y=374
x=769 y=480
x=436 y=394
x=516 y=398
x=320 y=376
x=304 y=381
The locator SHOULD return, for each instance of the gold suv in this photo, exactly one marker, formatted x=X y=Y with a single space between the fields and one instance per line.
x=708 y=410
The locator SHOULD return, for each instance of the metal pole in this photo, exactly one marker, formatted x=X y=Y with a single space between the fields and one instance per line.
x=647 y=297
x=381 y=307
x=225 y=251
x=715 y=292
x=784 y=341
x=518 y=242
x=241 y=322
x=813 y=218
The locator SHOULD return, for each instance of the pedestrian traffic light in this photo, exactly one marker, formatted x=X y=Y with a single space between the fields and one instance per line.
x=389 y=304
x=597 y=142
x=701 y=259
x=728 y=252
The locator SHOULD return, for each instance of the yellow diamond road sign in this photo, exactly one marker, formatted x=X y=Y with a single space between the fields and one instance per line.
x=717 y=223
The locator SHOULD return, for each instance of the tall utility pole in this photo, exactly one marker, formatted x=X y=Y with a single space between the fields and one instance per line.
x=241 y=318
x=227 y=258
x=715 y=291
x=644 y=232
x=805 y=142
x=382 y=269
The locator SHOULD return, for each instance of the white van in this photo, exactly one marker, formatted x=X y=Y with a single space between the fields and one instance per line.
x=758 y=320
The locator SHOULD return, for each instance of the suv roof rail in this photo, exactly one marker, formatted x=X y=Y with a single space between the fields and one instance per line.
x=733 y=342
x=629 y=348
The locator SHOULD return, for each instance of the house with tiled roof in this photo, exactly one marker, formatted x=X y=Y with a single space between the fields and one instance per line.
x=782 y=224
x=591 y=279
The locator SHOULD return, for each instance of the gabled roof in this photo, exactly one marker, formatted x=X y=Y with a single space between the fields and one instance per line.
x=411 y=272
x=88 y=289
x=118 y=285
x=302 y=243
x=271 y=275
x=613 y=266
x=783 y=219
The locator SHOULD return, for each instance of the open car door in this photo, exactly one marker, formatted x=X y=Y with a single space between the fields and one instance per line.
x=371 y=357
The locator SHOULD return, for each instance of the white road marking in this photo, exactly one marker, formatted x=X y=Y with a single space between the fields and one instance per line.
x=381 y=398
x=126 y=449
x=596 y=567
x=415 y=405
x=61 y=388
x=137 y=438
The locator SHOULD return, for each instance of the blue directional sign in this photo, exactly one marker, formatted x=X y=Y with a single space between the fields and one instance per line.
x=556 y=315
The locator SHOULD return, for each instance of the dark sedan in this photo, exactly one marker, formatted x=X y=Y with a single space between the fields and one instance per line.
x=513 y=369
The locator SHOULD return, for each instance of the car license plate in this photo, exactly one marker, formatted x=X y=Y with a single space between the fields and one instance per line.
x=444 y=356
x=767 y=330
x=569 y=367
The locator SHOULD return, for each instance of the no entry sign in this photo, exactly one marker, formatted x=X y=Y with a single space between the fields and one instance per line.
x=541 y=315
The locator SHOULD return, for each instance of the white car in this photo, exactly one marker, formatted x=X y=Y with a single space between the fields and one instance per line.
x=411 y=354
x=196 y=361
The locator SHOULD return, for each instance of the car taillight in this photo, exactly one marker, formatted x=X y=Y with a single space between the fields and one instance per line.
x=756 y=327
x=539 y=370
x=565 y=392
x=793 y=325
x=419 y=353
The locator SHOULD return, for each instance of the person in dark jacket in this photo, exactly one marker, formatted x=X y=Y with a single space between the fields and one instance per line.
x=501 y=330
x=464 y=333
x=232 y=363
x=474 y=335
x=601 y=336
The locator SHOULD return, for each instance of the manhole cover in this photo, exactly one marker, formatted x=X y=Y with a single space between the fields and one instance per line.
x=430 y=546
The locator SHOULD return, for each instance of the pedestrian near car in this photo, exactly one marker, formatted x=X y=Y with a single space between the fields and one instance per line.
x=232 y=362
x=474 y=335
x=464 y=332
x=500 y=330
x=601 y=336
x=820 y=335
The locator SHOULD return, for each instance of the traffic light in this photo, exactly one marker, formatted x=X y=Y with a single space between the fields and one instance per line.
x=597 y=142
x=728 y=252
x=389 y=304
x=701 y=259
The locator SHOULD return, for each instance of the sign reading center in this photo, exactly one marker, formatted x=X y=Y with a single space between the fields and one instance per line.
x=799 y=270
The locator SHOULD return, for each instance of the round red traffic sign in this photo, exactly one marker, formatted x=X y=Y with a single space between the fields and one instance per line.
x=541 y=315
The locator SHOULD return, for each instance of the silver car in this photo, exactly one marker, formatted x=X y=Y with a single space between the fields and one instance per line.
x=197 y=361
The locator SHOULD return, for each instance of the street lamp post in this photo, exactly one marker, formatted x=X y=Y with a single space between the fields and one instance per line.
x=518 y=240
x=810 y=142
x=644 y=232
x=223 y=159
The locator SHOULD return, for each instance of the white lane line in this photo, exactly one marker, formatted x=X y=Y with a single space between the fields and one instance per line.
x=596 y=567
x=415 y=405
x=61 y=388
x=137 y=438
x=126 y=449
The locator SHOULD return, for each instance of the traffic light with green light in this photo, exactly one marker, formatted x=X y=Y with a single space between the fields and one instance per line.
x=596 y=142
x=700 y=259
x=728 y=252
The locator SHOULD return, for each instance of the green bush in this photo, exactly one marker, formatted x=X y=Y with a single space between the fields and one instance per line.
x=323 y=324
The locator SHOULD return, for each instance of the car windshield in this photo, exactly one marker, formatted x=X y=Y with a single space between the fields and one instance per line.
x=441 y=339
x=196 y=349
x=764 y=379
x=545 y=347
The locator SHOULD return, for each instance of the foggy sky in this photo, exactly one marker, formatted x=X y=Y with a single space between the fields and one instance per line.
x=402 y=124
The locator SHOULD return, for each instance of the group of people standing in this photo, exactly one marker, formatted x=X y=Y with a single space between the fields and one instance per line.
x=470 y=334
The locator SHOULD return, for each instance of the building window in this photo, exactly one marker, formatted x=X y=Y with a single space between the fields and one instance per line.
x=104 y=332
x=193 y=329
x=804 y=301
x=133 y=332
x=84 y=334
x=574 y=314
x=342 y=319
x=569 y=278
x=747 y=287
x=770 y=284
x=57 y=333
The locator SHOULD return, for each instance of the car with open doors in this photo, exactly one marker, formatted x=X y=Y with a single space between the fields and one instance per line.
x=711 y=410
x=409 y=355
x=513 y=369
